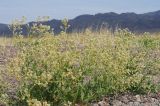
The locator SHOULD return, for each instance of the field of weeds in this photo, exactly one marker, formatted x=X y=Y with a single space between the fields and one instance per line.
x=78 y=68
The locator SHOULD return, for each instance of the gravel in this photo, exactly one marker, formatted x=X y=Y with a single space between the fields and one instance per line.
x=130 y=100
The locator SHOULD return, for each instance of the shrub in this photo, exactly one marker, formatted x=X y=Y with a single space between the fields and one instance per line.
x=16 y=27
x=36 y=29
x=77 y=69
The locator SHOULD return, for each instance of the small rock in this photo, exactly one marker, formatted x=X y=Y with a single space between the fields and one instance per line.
x=147 y=104
x=117 y=103
x=154 y=104
x=136 y=104
x=138 y=98
x=131 y=104
x=102 y=103
x=95 y=104
x=153 y=100
x=124 y=99
x=145 y=100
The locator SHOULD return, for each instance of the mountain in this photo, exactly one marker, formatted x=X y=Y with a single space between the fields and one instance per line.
x=147 y=22
x=4 y=30
x=135 y=22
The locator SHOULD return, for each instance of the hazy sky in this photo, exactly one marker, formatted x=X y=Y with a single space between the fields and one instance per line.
x=58 y=9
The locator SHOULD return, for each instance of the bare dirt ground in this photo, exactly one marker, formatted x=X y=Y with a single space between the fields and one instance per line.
x=130 y=100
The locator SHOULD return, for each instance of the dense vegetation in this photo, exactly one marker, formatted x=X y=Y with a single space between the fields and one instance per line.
x=79 y=67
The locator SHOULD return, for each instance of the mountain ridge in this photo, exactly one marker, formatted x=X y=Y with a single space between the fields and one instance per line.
x=146 y=22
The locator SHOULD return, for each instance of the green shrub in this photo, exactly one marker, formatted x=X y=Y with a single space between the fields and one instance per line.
x=78 y=69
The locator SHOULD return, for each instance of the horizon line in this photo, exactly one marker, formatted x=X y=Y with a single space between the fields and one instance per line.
x=118 y=13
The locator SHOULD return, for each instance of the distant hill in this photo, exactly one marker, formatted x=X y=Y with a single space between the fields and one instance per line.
x=147 y=22
x=4 y=30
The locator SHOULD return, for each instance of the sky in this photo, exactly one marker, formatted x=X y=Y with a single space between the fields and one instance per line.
x=59 y=9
